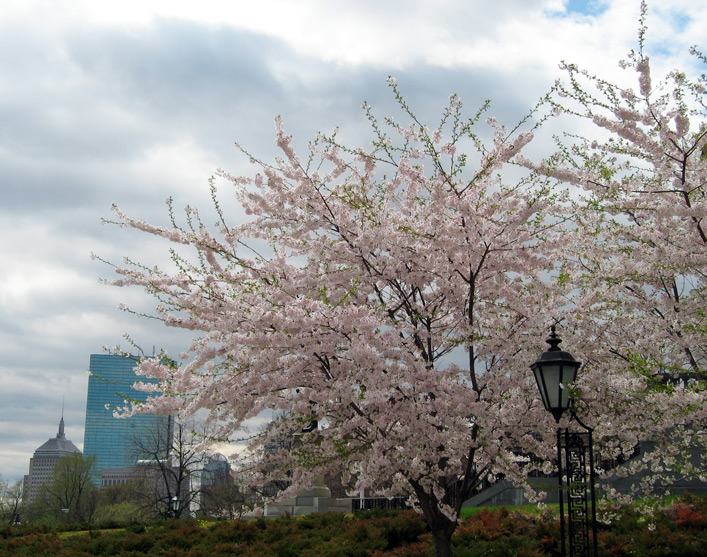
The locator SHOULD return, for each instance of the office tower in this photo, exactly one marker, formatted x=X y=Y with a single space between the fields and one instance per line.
x=216 y=471
x=112 y=440
x=41 y=465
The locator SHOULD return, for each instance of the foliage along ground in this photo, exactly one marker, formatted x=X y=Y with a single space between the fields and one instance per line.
x=678 y=528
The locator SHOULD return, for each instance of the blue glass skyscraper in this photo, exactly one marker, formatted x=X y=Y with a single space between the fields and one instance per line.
x=113 y=441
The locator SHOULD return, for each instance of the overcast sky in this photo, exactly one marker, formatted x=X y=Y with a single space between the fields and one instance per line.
x=137 y=101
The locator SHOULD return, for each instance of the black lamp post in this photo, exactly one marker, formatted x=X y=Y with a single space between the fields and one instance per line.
x=554 y=371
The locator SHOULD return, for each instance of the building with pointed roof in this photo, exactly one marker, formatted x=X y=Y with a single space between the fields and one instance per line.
x=41 y=465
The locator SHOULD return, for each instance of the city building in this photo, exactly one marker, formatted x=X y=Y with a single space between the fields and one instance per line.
x=216 y=471
x=120 y=476
x=114 y=441
x=41 y=465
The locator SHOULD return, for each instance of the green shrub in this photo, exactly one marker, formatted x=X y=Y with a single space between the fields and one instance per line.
x=404 y=529
x=678 y=528
x=136 y=528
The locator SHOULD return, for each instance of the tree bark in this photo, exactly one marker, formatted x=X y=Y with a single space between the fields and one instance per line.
x=441 y=525
x=443 y=540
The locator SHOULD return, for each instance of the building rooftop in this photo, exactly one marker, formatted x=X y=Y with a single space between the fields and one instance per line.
x=57 y=445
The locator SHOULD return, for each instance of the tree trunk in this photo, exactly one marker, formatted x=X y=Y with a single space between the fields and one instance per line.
x=440 y=524
x=443 y=540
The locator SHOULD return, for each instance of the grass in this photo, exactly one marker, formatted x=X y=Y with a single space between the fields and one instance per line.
x=530 y=510
x=72 y=533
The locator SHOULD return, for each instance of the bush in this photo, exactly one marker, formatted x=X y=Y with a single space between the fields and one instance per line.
x=498 y=532
x=678 y=528
x=136 y=528
x=404 y=529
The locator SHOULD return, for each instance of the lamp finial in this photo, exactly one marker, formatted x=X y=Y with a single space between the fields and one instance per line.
x=554 y=341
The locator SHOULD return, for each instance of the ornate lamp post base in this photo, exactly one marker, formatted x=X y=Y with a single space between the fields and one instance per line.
x=576 y=483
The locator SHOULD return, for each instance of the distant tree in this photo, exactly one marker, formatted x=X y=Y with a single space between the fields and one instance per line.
x=70 y=496
x=121 y=502
x=171 y=460
x=10 y=500
x=223 y=497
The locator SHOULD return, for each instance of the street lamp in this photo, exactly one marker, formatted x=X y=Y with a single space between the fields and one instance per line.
x=554 y=372
x=174 y=506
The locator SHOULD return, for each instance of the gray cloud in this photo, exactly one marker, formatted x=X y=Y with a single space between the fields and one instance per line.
x=95 y=112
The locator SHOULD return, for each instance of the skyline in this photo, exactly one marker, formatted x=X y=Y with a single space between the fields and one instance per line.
x=135 y=103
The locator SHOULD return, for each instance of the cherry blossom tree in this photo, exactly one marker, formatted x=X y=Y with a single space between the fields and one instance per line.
x=398 y=294
x=396 y=299
x=637 y=259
